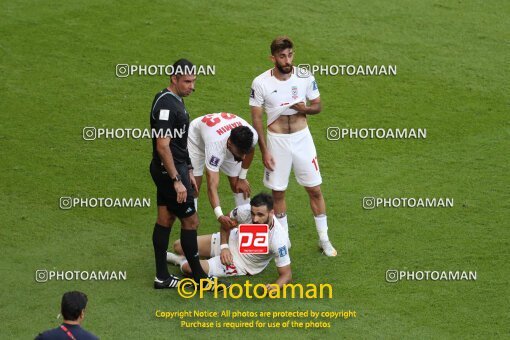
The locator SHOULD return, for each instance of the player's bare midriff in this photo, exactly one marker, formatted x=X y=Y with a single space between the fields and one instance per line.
x=289 y=124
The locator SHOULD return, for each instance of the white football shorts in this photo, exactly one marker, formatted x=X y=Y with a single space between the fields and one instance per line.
x=292 y=151
x=218 y=269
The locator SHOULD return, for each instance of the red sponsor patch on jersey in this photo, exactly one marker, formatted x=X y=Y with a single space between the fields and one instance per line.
x=253 y=239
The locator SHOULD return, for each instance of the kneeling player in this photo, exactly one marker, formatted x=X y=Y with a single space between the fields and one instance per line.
x=224 y=257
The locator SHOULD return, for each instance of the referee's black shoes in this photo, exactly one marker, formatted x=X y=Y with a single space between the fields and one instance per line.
x=171 y=282
x=211 y=283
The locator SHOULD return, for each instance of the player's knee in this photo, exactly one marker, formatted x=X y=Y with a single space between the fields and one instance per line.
x=190 y=223
x=185 y=268
x=278 y=195
x=315 y=193
x=165 y=221
x=178 y=248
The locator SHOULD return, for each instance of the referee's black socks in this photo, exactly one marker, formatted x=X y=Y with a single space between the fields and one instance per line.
x=190 y=247
x=160 y=239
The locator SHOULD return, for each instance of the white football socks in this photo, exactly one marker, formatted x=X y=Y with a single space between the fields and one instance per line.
x=178 y=260
x=285 y=225
x=283 y=222
x=239 y=199
x=182 y=264
x=321 y=223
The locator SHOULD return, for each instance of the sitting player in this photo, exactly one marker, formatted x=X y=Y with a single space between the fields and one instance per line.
x=224 y=257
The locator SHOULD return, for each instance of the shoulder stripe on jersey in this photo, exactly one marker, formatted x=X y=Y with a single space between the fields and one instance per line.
x=156 y=102
x=168 y=92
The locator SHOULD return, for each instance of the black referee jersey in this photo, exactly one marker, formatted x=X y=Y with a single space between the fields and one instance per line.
x=169 y=118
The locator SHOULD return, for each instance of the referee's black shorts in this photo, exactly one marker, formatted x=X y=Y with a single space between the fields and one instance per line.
x=166 y=194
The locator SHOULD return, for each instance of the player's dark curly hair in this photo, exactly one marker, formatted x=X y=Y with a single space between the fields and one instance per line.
x=280 y=44
x=72 y=305
x=242 y=138
x=262 y=199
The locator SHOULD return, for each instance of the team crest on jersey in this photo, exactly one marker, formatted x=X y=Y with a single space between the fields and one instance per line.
x=282 y=251
x=294 y=92
x=214 y=161
x=314 y=86
x=252 y=94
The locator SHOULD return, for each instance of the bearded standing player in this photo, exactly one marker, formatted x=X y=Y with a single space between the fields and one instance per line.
x=287 y=100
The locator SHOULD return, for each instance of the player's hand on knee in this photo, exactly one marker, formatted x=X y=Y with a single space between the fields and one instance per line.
x=226 y=222
x=268 y=160
x=181 y=191
x=226 y=257
x=242 y=185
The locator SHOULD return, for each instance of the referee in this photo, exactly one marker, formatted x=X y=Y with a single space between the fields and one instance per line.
x=170 y=169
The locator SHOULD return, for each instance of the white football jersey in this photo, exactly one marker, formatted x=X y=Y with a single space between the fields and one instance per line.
x=209 y=134
x=255 y=263
x=276 y=96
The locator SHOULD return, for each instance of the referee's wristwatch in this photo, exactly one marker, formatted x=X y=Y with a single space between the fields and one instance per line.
x=177 y=178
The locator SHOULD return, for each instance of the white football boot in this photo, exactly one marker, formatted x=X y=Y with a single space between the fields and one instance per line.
x=327 y=248
x=174 y=258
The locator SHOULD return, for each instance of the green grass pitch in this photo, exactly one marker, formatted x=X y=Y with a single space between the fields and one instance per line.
x=57 y=65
